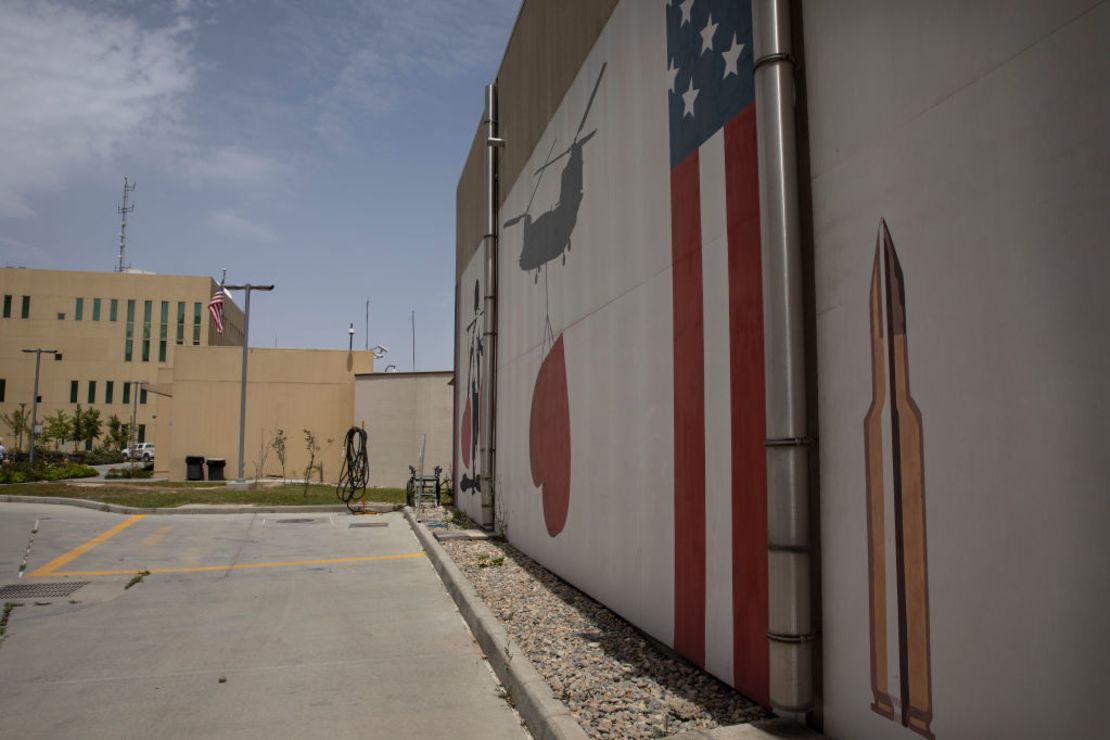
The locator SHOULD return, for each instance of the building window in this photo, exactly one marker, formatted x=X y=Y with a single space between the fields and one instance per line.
x=96 y=309
x=147 y=308
x=130 y=340
x=78 y=309
x=163 y=331
x=109 y=386
x=26 y=308
x=142 y=433
x=3 y=383
x=92 y=391
x=73 y=391
x=181 y=322
x=196 y=323
x=113 y=309
x=126 y=392
x=142 y=396
x=61 y=316
x=7 y=306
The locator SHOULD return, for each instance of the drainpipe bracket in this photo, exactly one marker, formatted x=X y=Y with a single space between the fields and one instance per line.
x=777 y=58
x=793 y=639
x=788 y=442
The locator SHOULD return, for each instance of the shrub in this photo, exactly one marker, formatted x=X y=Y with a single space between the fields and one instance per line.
x=63 y=471
x=22 y=472
x=103 y=456
x=117 y=473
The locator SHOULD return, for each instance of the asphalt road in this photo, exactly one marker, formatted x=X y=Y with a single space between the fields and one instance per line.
x=248 y=626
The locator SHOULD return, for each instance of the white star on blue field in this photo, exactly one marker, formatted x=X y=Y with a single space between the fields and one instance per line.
x=316 y=146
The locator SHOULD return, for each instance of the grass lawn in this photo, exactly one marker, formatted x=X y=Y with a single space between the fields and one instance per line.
x=168 y=494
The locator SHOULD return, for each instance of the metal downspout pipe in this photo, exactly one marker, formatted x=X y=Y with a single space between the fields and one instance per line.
x=488 y=427
x=790 y=618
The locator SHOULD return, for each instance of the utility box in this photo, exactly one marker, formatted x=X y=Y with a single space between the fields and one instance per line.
x=216 y=468
x=194 y=467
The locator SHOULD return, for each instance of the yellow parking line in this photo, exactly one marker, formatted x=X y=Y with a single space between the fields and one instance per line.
x=153 y=539
x=237 y=566
x=77 y=552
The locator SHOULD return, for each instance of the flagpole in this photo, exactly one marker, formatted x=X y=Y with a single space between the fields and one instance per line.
x=243 y=382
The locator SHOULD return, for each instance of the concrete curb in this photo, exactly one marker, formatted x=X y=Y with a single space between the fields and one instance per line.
x=547 y=718
x=187 y=509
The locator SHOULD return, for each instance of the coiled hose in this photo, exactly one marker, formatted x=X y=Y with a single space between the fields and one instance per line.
x=356 y=468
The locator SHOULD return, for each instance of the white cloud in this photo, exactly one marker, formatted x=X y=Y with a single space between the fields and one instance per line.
x=76 y=85
x=234 y=164
x=232 y=224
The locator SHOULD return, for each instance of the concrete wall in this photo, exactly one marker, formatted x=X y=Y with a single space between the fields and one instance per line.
x=978 y=131
x=290 y=389
x=590 y=459
x=93 y=349
x=542 y=57
x=397 y=410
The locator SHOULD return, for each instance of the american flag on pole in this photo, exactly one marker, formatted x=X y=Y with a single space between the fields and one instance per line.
x=720 y=492
x=216 y=308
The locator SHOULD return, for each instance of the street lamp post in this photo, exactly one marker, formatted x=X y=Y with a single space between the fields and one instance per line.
x=351 y=337
x=35 y=399
x=247 y=287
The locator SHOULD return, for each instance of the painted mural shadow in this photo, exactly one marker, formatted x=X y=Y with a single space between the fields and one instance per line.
x=641 y=661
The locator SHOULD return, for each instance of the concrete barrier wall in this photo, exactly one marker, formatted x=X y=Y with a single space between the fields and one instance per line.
x=978 y=131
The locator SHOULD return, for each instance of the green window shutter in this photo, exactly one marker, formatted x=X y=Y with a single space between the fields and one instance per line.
x=181 y=322
x=73 y=391
x=113 y=309
x=92 y=391
x=79 y=309
x=109 y=386
x=126 y=392
x=96 y=309
x=129 y=342
x=196 y=323
x=26 y=308
x=7 y=306
x=142 y=433
x=142 y=396
x=148 y=307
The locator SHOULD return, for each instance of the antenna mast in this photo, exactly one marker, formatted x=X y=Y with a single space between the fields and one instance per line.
x=123 y=211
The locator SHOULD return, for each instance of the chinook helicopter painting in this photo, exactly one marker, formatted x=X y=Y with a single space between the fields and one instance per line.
x=548 y=236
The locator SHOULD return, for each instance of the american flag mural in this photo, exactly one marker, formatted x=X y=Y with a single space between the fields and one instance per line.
x=720 y=506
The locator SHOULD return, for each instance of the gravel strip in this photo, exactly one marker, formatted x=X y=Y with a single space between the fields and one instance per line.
x=616 y=681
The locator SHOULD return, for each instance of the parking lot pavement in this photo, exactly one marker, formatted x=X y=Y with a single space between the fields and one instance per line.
x=248 y=626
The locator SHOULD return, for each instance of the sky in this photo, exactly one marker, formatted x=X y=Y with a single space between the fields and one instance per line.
x=312 y=145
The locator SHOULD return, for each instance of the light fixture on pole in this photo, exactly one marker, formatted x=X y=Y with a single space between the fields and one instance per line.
x=243 y=385
x=35 y=400
x=378 y=351
x=351 y=337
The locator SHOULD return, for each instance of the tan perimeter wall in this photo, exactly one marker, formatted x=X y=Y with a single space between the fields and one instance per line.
x=290 y=389
x=397 y=408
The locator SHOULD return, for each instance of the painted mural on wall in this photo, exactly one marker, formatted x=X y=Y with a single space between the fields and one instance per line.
x=718 y=325
x=905 y=696
x=546 y=238
x=630 y=370
x=471 y=402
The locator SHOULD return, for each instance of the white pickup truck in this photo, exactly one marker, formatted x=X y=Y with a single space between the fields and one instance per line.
x=143 y=451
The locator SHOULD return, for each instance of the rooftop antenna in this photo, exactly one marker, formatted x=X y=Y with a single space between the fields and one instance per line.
x=123 y=211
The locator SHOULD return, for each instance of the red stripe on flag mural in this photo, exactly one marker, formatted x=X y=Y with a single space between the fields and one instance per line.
x=689 y=412
x=749 y=461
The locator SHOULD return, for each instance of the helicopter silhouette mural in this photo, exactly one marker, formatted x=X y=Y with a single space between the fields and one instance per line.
x=546 y=238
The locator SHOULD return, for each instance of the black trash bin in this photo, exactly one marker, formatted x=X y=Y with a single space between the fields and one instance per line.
x=216 y=468
x=194 y=467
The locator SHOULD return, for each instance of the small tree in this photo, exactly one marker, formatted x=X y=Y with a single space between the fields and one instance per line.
x=278 y=446
x=77 y=426
x=56 y=428
x=87 y=425
x=313 y=448
x=263 y=453
x=117 y=433
x=18 y=423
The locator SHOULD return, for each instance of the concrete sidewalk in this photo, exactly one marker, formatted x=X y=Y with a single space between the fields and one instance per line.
x=250 y=626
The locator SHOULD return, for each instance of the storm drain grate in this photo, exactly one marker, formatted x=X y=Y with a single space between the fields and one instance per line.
x=369 y=524
x=40 y=590
x=294 y=521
